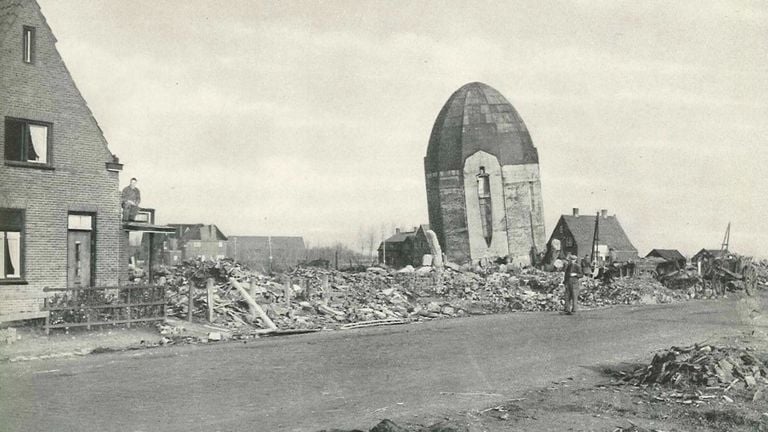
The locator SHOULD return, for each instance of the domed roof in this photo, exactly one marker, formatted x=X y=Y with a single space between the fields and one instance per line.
x=477 y=117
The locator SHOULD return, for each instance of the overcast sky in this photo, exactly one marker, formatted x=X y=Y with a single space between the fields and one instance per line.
x=312 y=118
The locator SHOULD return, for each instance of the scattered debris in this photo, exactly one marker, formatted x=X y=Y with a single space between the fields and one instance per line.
x=315 y=298
x=7 y=336
x=701 y=372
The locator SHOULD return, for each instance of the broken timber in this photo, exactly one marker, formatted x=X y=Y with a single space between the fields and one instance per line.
x=374 y=323
x=256 y=308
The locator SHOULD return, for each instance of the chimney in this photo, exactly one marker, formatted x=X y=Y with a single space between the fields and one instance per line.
x=397 y=230
x=604 y=213
x=576 y=211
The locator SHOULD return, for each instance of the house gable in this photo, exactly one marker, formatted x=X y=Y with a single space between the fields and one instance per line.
x=44 y=91
x=75 y=173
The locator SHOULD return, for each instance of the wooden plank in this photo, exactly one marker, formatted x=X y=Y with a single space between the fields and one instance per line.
x=19 y=316
x=209 y=288
x=259 y=311
x=95 y=288
x=191 y=304
x=135 y=320
x=110 y=306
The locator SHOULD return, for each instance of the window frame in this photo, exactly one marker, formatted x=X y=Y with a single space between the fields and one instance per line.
x=28 y=45
x=21 y=280
x=48 y=164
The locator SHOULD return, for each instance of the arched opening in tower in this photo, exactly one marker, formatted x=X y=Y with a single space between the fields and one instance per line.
x=484 y=201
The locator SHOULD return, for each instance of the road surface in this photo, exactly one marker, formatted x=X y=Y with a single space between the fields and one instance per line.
x=346 y=378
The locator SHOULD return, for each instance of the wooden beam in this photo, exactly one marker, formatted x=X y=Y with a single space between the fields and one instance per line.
x=259 y=311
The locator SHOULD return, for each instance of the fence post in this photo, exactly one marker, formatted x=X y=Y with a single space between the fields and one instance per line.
x=326 y=287
x=287 y=290
x=129 y=305
x=47 y=317
x=163 y=291
x=252 y=292
x=209 y=288
x=191 y=303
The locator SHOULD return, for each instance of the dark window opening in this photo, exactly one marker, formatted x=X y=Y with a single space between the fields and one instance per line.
x=27 y=141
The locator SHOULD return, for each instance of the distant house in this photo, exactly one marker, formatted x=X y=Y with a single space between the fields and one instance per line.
x=267 y=253
x=404 y=248
x=204 y=241
x=672 y=256
x=60 y=223
x=706 y=254
x=576 y=233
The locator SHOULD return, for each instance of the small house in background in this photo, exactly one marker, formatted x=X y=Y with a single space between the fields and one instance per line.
x=672 y=256
x=267 y=253
x=666 y=260
x=405 y=248
x=706 y=254
x=576 y=233
x=204 y=241
x=702 y=257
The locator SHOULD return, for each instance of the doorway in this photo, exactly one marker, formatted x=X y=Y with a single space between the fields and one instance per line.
x=80 y=251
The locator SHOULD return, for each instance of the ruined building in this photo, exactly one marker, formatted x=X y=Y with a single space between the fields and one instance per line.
x=482 y=175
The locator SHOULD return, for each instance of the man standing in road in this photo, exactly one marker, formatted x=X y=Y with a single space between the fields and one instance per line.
x=572 y=283
x=130 y=199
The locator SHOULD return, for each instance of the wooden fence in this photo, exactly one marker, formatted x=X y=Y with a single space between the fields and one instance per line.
x=92 y=306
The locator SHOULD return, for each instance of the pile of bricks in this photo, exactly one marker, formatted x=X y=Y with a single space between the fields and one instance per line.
x=704 y=366
x=316 y=298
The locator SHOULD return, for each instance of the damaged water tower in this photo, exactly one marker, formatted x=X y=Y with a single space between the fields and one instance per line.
x=482 y=173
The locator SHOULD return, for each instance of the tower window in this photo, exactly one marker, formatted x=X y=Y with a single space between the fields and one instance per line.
x=483 y=184
x=29 y=44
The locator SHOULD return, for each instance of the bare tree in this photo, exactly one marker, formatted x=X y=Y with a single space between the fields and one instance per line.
x=371 y=237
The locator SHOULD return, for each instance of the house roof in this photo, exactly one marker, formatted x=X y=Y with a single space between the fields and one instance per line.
x=400 y=237
x=286 y=243
x=188 y=232
x=667 y=254
x=713 y=252
x=478 y=118
x=610 y=232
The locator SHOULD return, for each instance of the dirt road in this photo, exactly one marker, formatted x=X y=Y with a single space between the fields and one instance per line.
x=346 y=378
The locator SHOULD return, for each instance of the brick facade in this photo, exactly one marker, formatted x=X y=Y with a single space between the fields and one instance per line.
x=77 y=178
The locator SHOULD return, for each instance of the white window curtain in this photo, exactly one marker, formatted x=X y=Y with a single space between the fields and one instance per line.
x=10 y=253
x=38 y=136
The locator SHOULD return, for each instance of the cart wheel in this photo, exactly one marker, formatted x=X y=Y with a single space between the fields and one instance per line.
x=750 y=280
x=717 y=286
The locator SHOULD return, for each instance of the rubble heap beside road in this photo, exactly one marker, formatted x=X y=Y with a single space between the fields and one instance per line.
x=704 y=366
x=318 y=298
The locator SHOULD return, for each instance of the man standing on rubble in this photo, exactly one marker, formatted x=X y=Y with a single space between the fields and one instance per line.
x=573 y=274
x=130 y=199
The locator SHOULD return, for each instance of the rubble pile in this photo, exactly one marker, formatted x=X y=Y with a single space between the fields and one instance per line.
x=762 y=273
x=316 y=298
x=702 y=366
x=637 y=290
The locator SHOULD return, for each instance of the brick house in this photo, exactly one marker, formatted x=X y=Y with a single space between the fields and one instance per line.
x=405 y=248
x=198 y=241
x=576 y=233
x=59 y=200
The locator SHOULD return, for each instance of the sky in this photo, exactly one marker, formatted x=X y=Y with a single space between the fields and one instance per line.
x=312 y=118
